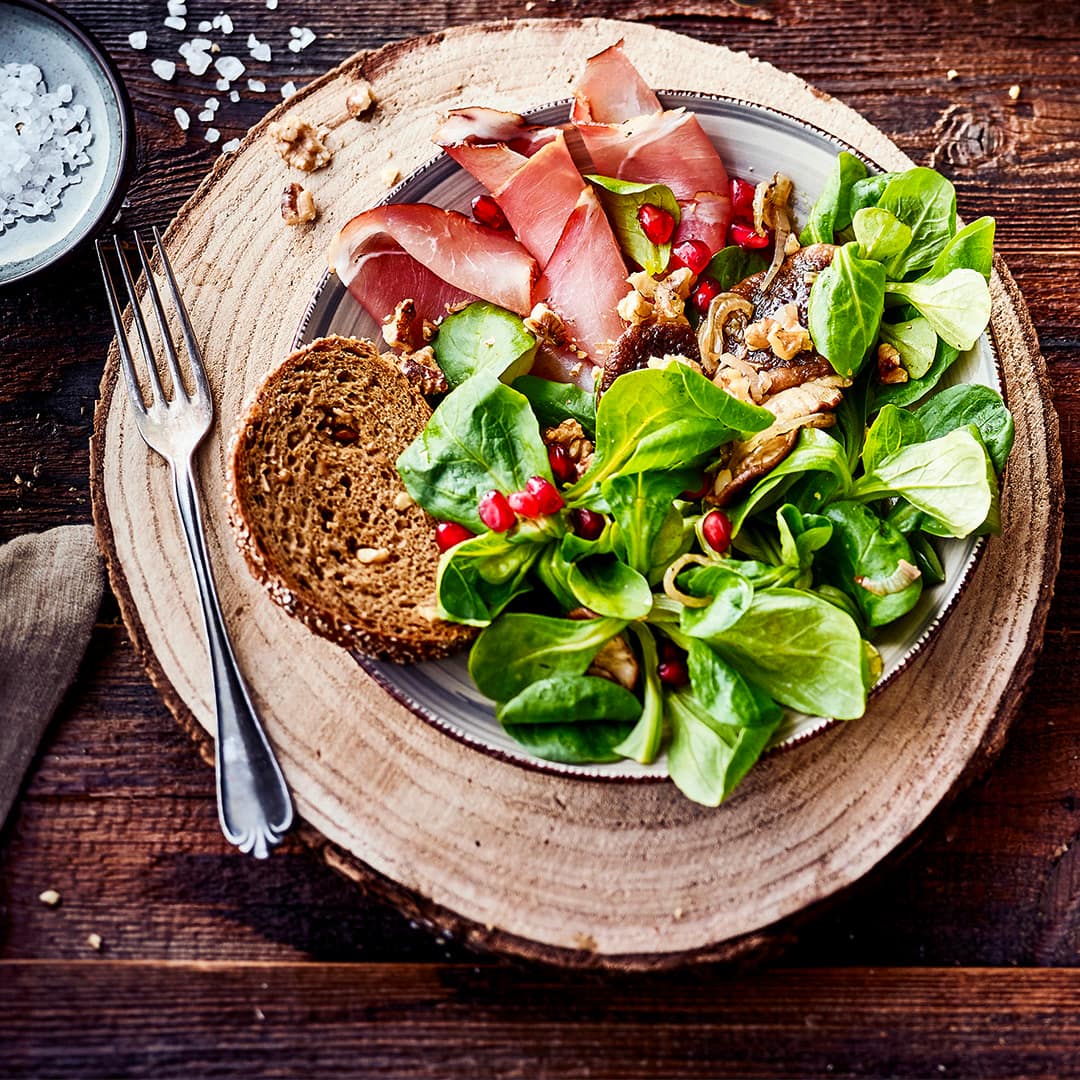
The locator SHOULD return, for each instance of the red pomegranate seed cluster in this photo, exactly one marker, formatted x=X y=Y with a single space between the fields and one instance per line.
x=539 y=496
x=742 y=230
x=495 y=511
x=716 y=528
x=656 y=223
x=487 y=211
x=746 y=237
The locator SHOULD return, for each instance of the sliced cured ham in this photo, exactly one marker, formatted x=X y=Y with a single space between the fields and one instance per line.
x=435 y=256
x=532 y=176
x=630 y=136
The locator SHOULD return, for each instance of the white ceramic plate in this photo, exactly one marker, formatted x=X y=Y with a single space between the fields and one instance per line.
x=754 y=142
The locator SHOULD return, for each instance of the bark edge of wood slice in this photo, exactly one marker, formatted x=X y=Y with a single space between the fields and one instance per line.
x=583 y=873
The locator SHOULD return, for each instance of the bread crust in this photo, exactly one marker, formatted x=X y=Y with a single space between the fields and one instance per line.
x=426 y=637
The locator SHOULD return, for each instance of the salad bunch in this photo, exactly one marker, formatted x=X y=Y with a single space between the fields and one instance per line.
x=620 y=615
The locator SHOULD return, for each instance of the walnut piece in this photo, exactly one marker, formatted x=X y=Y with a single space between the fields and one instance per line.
x=889 y=368
x=616 y=662
x=671 y=294
x=297 y=205
x=359 y=100
x=570 y=435
x=547 y=326
x=781 y=333
x=397 y=327
x=299 y=144
x=422 y=370
x=634 y=308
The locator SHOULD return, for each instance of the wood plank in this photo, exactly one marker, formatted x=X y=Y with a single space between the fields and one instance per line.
x=137 y=1019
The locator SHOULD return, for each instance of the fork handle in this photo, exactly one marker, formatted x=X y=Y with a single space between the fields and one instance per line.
x=254 y=806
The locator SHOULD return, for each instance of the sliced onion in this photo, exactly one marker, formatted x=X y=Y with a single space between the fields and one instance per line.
x=771 y=199
x=897 y=581
x=783 y=231
x=675 y=569
x=711 y=330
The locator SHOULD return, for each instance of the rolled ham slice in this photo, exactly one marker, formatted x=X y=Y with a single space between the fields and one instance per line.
x=630 y=136
x=437 y=257
x=532 y=176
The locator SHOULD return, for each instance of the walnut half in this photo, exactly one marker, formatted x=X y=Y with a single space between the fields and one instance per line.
x=297 y=205
x=299 y=144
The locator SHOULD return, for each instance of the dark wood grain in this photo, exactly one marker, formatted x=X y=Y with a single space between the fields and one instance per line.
x=118 y=813
x=444 y=1021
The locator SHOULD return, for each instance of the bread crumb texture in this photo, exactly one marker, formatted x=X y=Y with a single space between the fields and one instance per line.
x=315 y=507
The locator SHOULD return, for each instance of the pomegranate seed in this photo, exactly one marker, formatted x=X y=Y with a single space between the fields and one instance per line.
x=656 y=223
x=547 y=498
x=694 y=254
x=673 y=672
x=449 y=534
x=716 y=529
x=562 y=465
x=704 y=293
x=488 y=212
x=588 y=524
x=742 y=199
x=745 y=237
x=524 y=503
x=668 y=650
x=495 y=512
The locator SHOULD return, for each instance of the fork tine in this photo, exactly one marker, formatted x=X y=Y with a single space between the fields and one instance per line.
x=198 y=369
x=158 y=394
x=134 y=391
x=159 y=313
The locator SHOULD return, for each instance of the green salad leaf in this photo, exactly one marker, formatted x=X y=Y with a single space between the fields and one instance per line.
x=479 y=577
x=571 y=744
x=577 y=698
x=608 y=586
x=926 y=202
x=622 y=200
x=643 y=741
x=483 y=338
x=958 y=406
x=724 y=693
x=733 y=264
x=706 y=757
x=482 y=437
x=916 y=388
x=972 y=248
x=831 y=212
x=641 y=504
x=879 y=233
x=957 y=306
x=846 y=301
x=555 y=402
x=662 y=419
x=894 y=428
x=915 y=341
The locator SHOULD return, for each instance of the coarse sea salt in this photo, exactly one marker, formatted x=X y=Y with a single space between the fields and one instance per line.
x=176 y=22
x=230 y=146
x=43 y=143
x=183 y=121
x=288 y=90
x=257 y=86
x=229 y=67
x=137 y=40
x=163 y=69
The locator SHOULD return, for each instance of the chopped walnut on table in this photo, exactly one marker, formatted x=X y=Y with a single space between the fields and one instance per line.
x=360 y=100
x=299 y=144
x=297 y=205
x=570 y=435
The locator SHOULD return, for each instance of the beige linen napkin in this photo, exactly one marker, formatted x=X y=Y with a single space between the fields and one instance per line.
x=50 y=591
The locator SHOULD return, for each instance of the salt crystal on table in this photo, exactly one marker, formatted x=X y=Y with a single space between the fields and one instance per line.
x=226 y=24
x=206 y=115
x=177 y=7
x=288 y=90
x=230 y=146
x=182 y=119
x=229 y=67
x=234 y=95
x=294 y=46
x=163 y=69
x=175 y=22
x=212 y=135
x=205 y=26
x=137 y=40
x=257 y=86
x=211 y=103
x=305 y=37
x=198 y=62
x=271 y=5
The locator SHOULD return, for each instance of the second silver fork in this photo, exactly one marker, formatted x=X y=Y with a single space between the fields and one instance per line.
x=254 y=806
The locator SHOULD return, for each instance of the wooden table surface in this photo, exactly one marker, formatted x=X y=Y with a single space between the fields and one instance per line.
x=958 y=959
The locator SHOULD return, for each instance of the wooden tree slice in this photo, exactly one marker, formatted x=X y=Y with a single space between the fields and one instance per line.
x=577 y=872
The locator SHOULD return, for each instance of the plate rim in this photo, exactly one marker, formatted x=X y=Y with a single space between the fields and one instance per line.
x=126 y=133
x=370 y=665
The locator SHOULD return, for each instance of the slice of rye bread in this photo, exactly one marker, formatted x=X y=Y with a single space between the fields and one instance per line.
x=319 y=511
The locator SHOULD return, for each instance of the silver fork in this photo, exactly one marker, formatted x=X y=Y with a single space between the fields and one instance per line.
x=254 y=806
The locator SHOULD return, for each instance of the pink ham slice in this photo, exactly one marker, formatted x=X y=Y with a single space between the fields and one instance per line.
x=533 y=178
x=630 y=136
x=437 y=257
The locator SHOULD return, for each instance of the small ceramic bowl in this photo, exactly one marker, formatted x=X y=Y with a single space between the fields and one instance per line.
x=33 y=32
